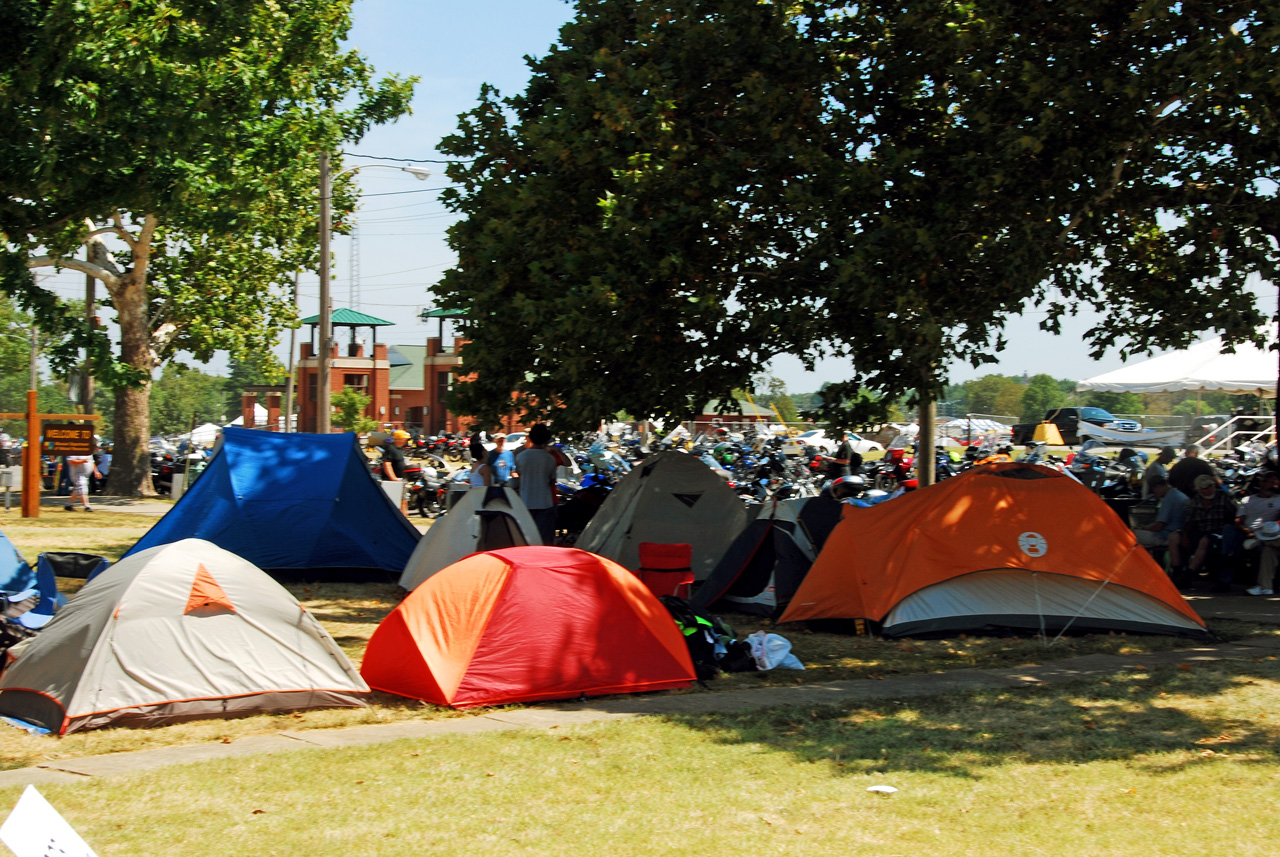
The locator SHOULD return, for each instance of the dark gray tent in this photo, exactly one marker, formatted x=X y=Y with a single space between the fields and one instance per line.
x=764 y=565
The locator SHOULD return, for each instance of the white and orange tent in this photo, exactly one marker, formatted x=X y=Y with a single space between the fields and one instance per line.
x=1002 y=547
x=177 y=632
x=526 y=624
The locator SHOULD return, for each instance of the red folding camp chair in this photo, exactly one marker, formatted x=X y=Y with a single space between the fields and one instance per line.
x=667 y=569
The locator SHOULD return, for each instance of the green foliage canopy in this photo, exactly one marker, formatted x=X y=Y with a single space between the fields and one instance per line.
x=689 y=187
x=186 y=133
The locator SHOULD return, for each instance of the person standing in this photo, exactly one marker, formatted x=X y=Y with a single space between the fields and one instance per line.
x=393 y=457
x=80 y=468
x=844 y=462
x=482 y=475
x=1158 y=468
x=537 y=469
x=502 y=460
x=1184 y=473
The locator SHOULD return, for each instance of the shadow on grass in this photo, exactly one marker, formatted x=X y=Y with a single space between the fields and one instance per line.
x=1160 y=721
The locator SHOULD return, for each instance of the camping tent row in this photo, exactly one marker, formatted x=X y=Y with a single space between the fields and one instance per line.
x=187 y=631
x=670 y=497
x=1003 y=547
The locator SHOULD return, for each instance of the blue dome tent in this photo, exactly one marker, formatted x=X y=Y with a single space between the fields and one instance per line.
x=297 y=504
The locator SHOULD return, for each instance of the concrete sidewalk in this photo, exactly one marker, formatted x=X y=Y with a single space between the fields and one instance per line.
x=551 y=715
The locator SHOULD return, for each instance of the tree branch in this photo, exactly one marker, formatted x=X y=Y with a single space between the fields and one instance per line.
x=108 y=278
x=109 y=230
x=119 y=229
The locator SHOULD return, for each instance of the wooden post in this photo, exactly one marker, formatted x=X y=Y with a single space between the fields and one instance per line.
x=32 y=483
x=31 y=475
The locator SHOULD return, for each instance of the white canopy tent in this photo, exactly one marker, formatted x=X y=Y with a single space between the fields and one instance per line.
x=1202 y=368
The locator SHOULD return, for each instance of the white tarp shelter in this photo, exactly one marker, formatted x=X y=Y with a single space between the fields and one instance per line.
x=1201 y=368
x=206 y=434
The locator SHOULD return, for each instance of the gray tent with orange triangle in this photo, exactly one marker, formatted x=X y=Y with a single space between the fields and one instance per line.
x=178 y=632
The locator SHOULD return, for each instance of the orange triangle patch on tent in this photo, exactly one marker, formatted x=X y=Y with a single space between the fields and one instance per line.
x=206 y=593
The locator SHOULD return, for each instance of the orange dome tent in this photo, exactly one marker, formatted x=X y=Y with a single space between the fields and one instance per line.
x=1006 y=546
x=524 y=624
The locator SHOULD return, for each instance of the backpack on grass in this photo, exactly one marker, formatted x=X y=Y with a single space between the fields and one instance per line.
x=711 y=642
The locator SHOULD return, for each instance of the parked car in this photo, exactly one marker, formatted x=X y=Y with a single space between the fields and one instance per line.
x=818 y=439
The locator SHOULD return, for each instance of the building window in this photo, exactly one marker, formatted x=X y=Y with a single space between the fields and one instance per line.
x=442 y=387
x=359 y=383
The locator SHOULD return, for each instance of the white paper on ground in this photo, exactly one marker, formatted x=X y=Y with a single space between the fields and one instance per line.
x=35 y=829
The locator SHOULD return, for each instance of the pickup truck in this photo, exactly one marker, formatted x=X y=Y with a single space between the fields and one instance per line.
x=1068 y=422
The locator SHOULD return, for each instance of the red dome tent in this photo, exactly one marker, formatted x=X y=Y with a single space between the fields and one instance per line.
x=1005 y=546
x=525 y=624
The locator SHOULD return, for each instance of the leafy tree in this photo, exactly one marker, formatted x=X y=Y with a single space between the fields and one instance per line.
x=987 y=395
x=1041 y=394
x=350 y=406
x=51 y=397
x=630 y=218
x=1116 y=403
x=255 y=369
x=206 y=192
x=885 y=182
x=181 y=395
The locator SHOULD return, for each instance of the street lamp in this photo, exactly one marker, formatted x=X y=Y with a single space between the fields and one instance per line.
x=326 y=321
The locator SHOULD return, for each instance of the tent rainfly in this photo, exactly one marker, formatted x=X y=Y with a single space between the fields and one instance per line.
x=670 y=497
x=766 y=562
x=526 y=624
x=292 y=503
x=1007 y=546
x=179 y=632
x=483 y=519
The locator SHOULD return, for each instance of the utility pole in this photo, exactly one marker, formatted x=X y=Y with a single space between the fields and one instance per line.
x=86 y=377
x=326 y=314
x=293 y=348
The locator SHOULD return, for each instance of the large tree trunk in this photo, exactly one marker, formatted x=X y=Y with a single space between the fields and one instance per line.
x=130 y=474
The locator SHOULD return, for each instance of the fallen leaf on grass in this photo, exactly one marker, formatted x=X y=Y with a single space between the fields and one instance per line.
x=1186 y=668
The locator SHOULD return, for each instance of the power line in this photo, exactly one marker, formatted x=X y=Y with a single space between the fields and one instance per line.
x=408 y=160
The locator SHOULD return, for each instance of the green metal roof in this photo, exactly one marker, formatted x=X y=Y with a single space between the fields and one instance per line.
x=406 y=366
x=442 y=313
x=350 y=318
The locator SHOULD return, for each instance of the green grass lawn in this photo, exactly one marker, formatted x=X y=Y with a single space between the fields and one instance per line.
x=1172 y=762
x=351 y=613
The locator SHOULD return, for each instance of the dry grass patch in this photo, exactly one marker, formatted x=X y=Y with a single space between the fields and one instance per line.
x=1166 y=763
x=107 y=534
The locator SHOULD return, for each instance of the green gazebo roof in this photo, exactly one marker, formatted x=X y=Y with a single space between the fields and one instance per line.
x=350 y=318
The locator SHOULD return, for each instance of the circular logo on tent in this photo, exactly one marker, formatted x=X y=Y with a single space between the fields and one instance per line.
x=1033 y=544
